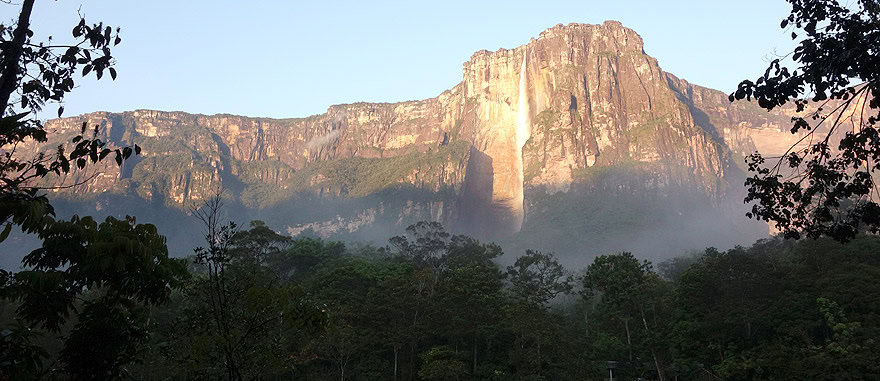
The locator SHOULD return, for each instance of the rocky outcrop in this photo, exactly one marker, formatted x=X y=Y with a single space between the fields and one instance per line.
x=524 y=122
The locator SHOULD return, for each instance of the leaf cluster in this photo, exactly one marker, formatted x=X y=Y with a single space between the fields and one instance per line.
x=822 y=188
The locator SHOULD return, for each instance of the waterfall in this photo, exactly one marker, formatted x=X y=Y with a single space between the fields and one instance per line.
x=522 y=118
x=522 y=135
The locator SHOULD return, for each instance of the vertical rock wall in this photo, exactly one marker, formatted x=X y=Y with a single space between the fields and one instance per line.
x=526 y=121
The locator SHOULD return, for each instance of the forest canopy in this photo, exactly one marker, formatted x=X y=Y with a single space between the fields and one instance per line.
x=434 y=305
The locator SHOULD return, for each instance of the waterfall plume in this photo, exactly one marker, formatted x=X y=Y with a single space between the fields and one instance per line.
x=522 y=120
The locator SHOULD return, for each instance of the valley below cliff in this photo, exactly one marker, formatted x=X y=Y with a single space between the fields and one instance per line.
x=576 y=142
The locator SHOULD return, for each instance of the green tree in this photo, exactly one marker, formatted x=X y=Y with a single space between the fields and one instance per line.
x=260 y=243
x=442 y=363
x=32 y=74
x=770 y=311
x=471 y=297
x=844 y=352
x=425 y=246
x=730 y=294
x=828 y=186
x=394 y=304
x=252 y=315
x=538 y=277
x=343 y=286
x=302 y=256
x=535 y=279
x=626 y=285
x=106 y=274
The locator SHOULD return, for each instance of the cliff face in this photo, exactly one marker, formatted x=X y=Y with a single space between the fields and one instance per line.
x=743 y=126
x=523 y=123
x=580 y=96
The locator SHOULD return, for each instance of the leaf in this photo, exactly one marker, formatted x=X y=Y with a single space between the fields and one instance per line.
x=5 y=232
x=118 y=158
x=86 y=70
x=137 y=149
x=77 y=30
x=60 y=110
x=113 y=73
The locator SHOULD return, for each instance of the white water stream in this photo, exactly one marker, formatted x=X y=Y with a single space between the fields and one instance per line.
x=523 y=132
x=522 y=119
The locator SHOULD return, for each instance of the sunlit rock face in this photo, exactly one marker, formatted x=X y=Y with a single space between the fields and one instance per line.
x=580 y=96
x=744 y=127
x=523 y=123
x=497 y=83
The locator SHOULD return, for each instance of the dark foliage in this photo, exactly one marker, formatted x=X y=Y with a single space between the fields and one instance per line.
x=32 y=74
x=90 y=283
x=259 y=305
x=826 y=186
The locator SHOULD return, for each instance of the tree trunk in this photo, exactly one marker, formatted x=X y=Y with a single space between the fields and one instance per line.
x=653 y=353
x=538 y=355
x=9 y=76
x=396 y=352
x=412 y=355
x=475 y=355
x=412 y=347
x=231 y=366
x=628 y=339
x=586 y=322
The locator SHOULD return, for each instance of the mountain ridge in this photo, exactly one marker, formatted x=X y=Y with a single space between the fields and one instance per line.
x=592 y=101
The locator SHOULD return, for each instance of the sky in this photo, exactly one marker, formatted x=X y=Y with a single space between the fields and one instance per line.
x=285 y=59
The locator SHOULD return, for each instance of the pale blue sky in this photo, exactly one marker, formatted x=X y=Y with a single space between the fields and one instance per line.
x=295 y=58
